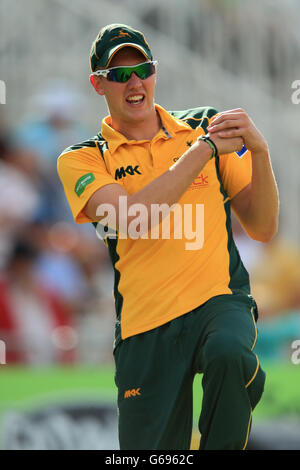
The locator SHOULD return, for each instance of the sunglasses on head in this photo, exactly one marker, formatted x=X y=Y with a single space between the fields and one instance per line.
x=123 y=74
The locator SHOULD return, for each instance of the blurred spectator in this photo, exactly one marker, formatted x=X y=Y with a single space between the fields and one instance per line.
x=274 y=270
x=52 y=124
x=77 y=266
x=21 y=199
x=276 y=278
x=250 y=250
x=35 y=323
x=70 y=262
x=49 y=128
x=58 y=277
x=57 y=266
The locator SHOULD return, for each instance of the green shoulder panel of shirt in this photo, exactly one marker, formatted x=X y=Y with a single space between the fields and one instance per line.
x=93 y=142
x=196 y=117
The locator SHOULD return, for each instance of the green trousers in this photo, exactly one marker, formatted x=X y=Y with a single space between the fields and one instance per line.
x=155 y=371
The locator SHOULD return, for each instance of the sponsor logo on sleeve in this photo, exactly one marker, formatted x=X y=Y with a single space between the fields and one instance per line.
x=83 y=182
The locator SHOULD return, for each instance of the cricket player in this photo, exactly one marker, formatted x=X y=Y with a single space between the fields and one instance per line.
x=182 y=308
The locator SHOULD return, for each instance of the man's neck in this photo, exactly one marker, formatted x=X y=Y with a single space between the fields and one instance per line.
x=140 y=130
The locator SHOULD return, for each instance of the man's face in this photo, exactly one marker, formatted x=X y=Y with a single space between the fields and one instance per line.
x=119 y=95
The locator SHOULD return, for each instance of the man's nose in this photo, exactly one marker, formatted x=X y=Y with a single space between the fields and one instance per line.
x=134 y=79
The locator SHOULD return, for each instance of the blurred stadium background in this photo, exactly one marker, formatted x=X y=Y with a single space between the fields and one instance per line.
x=56 y=309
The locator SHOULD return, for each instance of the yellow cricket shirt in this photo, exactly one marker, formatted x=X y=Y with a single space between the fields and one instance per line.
x=157 y=280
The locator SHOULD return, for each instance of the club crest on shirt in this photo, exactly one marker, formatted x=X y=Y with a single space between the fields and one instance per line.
x=241 y=152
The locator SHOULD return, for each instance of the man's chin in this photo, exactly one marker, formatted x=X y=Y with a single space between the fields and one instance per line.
x=137 y=115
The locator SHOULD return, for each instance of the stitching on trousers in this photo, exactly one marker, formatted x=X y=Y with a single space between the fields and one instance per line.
x=255 y=373
x=248 y=430
x=254 y=323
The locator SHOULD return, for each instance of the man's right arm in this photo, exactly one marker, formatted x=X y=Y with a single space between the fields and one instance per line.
x=165 y=189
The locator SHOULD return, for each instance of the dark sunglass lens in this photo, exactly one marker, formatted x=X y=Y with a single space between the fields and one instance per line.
x=111 y=76
x=145 y=70
x=122 y=74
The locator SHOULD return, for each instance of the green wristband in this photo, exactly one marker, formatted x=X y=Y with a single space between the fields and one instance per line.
x=212 y=145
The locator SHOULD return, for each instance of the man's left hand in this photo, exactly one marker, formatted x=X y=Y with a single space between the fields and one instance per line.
x=237 y=123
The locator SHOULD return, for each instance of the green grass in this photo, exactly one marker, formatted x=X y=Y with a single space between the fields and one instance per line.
x=281 y=394
x=27 y=387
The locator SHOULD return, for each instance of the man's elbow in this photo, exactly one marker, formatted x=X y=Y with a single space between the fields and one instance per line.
x=265 y=237
x=266 y=234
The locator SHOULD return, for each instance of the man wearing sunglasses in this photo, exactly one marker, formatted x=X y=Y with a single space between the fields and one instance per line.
x=179 y=312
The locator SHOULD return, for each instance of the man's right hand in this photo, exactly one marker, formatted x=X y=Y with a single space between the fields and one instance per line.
x=226 y=144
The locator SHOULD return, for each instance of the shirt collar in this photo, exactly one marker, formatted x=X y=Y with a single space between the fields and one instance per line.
x=170 y=126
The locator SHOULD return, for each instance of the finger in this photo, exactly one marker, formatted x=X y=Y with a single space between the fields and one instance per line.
x=214 y=117
x=228 y=116
x=232 y=132
x=234 y=111
x=229 y=112
x=225 y=125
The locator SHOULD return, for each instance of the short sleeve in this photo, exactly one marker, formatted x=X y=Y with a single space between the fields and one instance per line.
x=235 y=171
x=82 y=172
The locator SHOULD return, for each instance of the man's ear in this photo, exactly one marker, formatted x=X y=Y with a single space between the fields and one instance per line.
x=96 y=83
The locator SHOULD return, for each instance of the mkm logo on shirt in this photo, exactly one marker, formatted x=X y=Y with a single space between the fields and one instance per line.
x=132 y=393
x=129 y=170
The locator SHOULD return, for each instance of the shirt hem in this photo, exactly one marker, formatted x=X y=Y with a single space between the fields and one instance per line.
x=196 y=303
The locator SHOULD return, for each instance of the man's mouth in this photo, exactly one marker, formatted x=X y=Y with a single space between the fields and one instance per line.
x=135 y=99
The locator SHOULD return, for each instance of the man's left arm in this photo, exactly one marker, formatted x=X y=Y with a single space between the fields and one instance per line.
x=257 y=205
